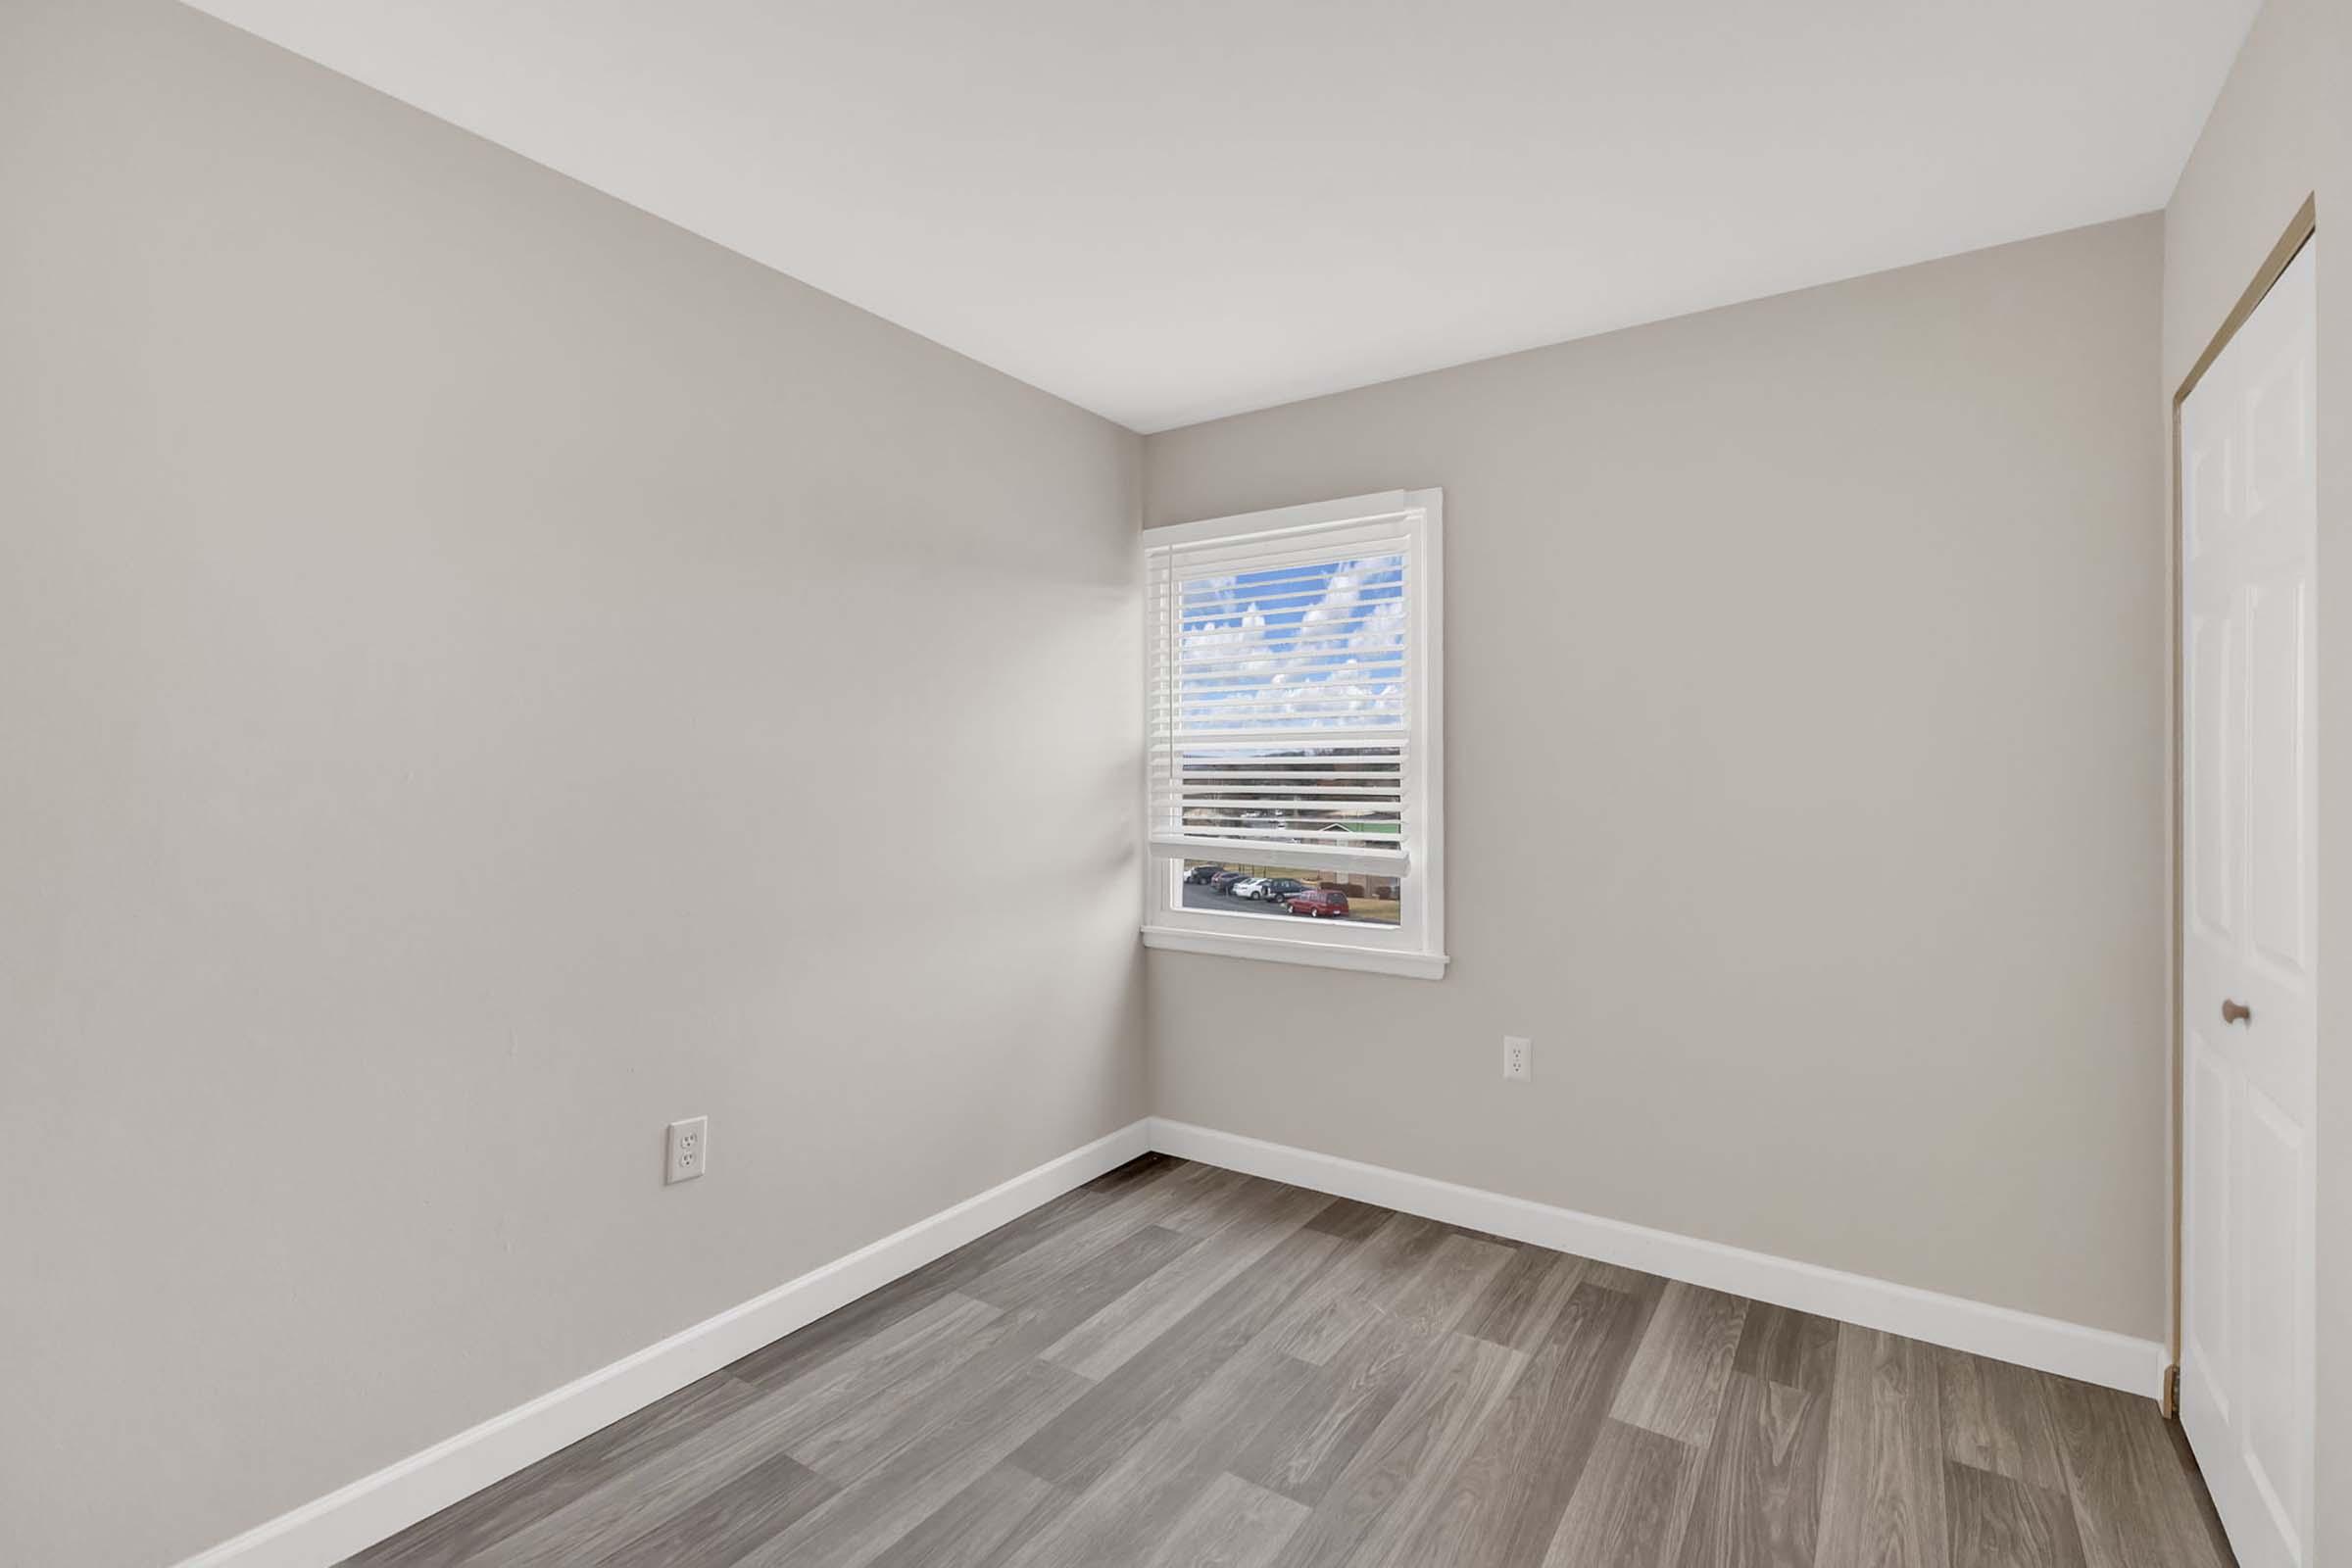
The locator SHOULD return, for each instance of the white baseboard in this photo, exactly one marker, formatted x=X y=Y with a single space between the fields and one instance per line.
x=2069 y=1350
x=365 y=1512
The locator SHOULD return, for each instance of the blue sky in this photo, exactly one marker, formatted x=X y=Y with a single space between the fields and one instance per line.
x=1317 y=645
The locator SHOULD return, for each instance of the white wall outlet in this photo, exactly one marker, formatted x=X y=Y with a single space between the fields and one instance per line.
x=689 y=1150
x=1518 y=1059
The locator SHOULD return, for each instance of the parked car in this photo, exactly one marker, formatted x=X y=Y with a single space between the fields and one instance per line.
x=1201 y=873
x=1278 y=889
x=1249 y=886
x=1319 y=902
x=1223 y=881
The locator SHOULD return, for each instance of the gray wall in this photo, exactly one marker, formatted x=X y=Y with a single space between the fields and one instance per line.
x=1806 y=755
x=2282 y=131
x=482 y=674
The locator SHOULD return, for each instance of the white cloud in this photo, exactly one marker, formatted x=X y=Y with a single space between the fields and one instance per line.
x=1332 y=666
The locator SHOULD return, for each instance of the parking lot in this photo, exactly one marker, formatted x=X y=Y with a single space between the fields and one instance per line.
x=1198 y=896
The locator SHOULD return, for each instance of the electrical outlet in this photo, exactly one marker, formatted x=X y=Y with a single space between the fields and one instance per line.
x=689 y=1150
x=1518 y=1059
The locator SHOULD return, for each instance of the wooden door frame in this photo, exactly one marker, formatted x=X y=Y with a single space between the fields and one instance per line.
x=2298 y=233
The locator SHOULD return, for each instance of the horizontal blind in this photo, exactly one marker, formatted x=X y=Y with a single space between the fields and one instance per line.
x=1278 y=696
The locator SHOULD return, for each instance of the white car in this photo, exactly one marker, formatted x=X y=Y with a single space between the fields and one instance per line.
x=1249 y=886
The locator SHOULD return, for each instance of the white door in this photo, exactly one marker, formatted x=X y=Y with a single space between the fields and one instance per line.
x=2249 y=495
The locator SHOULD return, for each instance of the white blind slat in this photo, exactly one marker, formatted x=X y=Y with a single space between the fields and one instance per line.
x=1195 y=788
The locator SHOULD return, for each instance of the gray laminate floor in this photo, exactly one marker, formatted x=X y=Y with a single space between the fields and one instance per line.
x=1176 y=1367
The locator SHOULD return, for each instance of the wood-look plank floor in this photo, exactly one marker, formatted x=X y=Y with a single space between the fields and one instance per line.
x=1176 y=1367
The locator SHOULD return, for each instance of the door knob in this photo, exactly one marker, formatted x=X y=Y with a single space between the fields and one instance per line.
x=2237 y=1012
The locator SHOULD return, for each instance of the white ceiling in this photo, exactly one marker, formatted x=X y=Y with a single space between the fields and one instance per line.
x=1174 y=209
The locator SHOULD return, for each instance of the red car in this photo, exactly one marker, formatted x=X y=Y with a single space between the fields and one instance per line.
x=1319 y=902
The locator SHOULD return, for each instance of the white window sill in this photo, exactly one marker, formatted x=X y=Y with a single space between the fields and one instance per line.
x=1285 y=950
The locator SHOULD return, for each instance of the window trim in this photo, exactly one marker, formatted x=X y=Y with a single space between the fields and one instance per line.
x=1411 y=963
x=1416 y=948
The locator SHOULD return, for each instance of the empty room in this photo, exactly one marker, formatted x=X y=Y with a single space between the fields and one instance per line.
x=1070 y=784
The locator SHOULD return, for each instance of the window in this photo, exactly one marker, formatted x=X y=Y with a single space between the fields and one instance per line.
x=1292 y=706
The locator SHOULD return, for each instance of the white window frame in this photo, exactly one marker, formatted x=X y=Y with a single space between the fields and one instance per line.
x=1416 y=945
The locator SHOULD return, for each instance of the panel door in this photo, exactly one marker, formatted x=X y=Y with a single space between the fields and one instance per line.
x=2249 y=511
